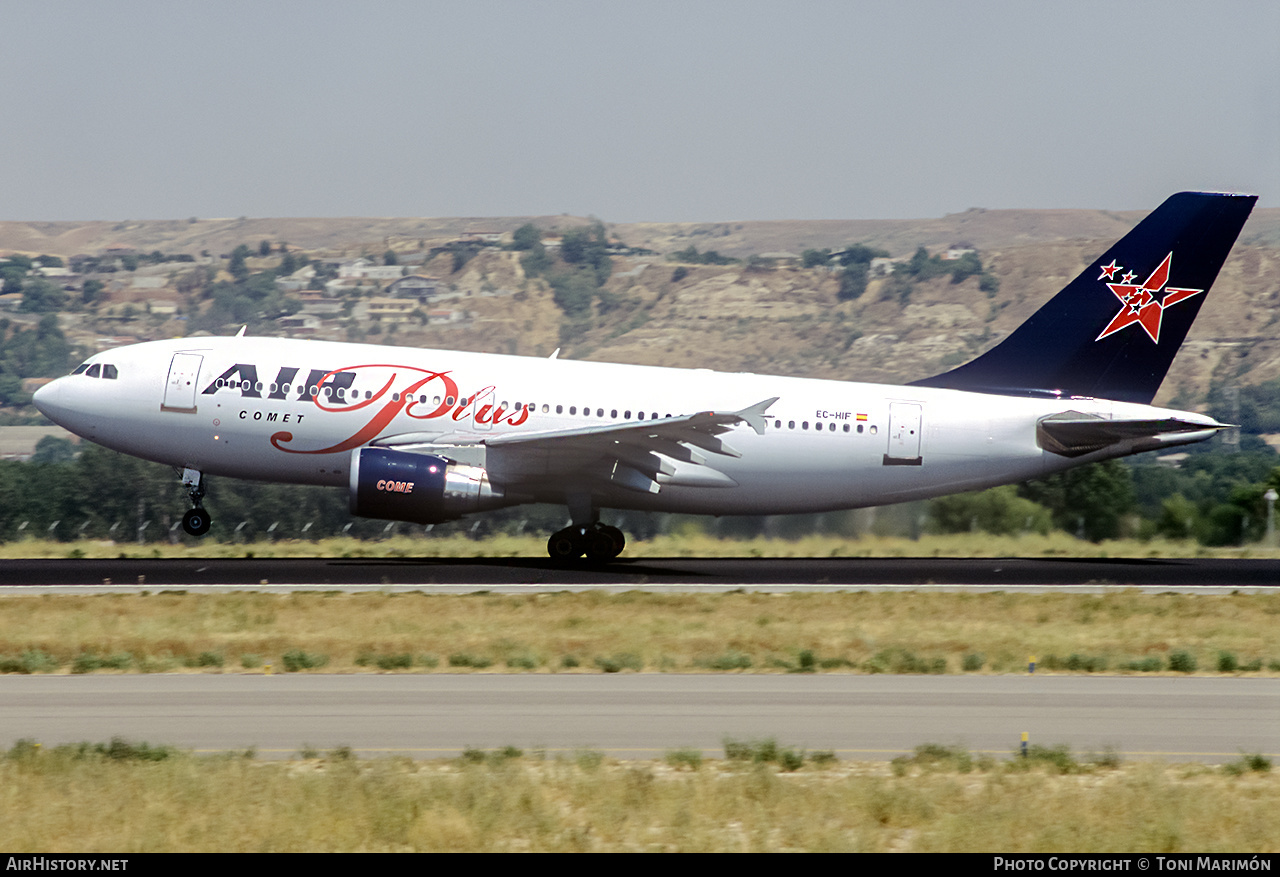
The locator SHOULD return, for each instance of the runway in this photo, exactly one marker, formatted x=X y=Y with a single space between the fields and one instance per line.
x=472 y=573
x=645 y=715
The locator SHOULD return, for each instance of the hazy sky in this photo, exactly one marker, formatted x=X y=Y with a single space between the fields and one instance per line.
x=663 y=111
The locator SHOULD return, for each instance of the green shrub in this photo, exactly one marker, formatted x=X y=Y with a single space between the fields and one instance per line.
x=764 y=751
x=904 y=661
x=730 y=660
x=790 y=759
x=807 y=661
x=680 y=758
x=30 y=661
x=523 y=661
x=1057 y=757
x=1151 y=664
x=401 y=661
x=934 y=756
x=588 y=759
x=85 y=662
x=467 y=659
x=619 y=662
x=1182 y=661
x=1256 y=763
x=973 y=662
x=1087 y=663
x=1227 y=662
x=120 y=749
x=296 y=659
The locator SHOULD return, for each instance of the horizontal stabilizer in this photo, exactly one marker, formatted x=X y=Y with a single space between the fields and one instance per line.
x=1074 y=434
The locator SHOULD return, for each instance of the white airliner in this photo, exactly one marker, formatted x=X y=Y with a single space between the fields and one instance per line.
x=431 y=435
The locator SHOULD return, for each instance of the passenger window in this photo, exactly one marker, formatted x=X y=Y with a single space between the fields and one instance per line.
x=109 y=372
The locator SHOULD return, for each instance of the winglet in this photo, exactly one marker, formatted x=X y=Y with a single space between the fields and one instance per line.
x=753 y=416
x=555 y=354
x=240 y=334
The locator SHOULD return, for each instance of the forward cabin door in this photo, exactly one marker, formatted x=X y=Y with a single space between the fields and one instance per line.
x=904 y=434
x=180 y=387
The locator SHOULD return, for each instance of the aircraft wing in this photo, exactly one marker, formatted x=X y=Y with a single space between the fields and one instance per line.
x=640 y=455
x=1073 y=434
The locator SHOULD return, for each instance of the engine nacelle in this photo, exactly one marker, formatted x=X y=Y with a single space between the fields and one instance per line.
x=422 y=488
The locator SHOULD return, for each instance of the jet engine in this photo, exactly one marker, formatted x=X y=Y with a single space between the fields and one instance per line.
x=422 y=488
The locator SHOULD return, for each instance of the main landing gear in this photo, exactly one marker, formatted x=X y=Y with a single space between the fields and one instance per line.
x=599 y=542
x=196 y=522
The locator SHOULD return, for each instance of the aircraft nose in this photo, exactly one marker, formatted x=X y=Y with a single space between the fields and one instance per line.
x=46 y=400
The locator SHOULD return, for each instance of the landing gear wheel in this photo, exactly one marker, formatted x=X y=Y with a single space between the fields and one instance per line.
x=196 y=522
x=600 y=546
x=615 y=535
x=565 y=545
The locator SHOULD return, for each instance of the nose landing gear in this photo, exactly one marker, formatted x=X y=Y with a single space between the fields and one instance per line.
x=196 y=521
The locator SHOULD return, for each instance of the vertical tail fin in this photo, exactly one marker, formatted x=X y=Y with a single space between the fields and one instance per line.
x=1113 y=331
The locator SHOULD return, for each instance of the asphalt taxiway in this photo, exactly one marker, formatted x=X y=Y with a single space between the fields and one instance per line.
x=644 y=715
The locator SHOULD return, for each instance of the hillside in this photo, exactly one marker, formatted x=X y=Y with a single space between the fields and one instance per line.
x=783 y=320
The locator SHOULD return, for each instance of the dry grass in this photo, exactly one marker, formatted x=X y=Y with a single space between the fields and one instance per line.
x=593 y=630
x=55 y=801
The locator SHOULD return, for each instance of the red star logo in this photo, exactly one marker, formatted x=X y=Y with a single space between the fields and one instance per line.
x=1140 y=303
x=1109 y=271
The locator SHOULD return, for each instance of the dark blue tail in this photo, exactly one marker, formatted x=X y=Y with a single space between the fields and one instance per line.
x=1112 y=332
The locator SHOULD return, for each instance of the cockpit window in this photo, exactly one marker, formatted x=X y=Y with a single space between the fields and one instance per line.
x=109 y=372
x=95 y=370
x=81 y=368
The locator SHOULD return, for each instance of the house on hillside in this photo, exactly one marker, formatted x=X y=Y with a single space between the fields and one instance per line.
x=417 y=286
